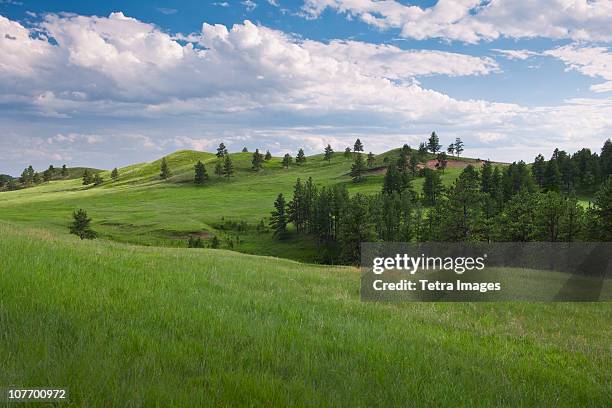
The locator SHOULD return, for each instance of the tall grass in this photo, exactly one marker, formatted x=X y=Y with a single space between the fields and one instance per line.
x=123 y=325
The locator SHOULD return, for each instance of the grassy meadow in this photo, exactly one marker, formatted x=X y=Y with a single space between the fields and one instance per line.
x=126 y=325
x=136 y=319
x=140 y=208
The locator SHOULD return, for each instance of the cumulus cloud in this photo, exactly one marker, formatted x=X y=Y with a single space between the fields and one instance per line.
x=127 y=81
x=595 y=62
x=475 y=20
x=119 y=65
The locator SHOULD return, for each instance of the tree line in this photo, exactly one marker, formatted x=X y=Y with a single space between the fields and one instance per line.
x=512 y=203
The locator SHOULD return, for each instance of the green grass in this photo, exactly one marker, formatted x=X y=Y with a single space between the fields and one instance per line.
x=140 y=208
x=124 y=325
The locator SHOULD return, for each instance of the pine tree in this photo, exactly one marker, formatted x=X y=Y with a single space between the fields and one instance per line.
x=371 y=159
x=165 y=170
x=257 y=161
x=64 y=171
x=245 y=150
x=228 y=167
x=441 y=161
x=81 y=225
x=200 y=173
x=221 y=150
x=47 y=175
x=605 y=159
x=347 y=152
x=552 y=176
x=538 y=170
x=422 y=151
x=358 y=147
x=458 y=146
x=403 y=162
x=433 y=144
x=298 y=207
x=36 y=178
x=572 y=222
x=486 y=174
x=300 y=158
x=24 y=179
x=219 y=168
x=358 y=168
x=600 y=213
x=329 y=152
x=87 y=179
x=11 y=185
x=268 y=156
x=287 y=160
x=115 y=174
x=451 y=149
x=518 y=218
x=97 y=179
x=432 y=187
x=278 y=217
x=463 y=216
x=549 y=211
x=357 y=228
x=413 y=164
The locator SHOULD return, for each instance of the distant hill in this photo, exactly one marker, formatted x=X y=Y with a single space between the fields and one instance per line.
x=73 y=173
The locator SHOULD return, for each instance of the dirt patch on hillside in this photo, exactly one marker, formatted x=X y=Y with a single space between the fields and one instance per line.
x=452 y=164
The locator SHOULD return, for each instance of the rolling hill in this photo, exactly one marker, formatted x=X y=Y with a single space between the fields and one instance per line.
x=125 y=325
x=140 y=208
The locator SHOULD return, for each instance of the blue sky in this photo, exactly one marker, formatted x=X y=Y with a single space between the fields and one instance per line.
x=111 y=83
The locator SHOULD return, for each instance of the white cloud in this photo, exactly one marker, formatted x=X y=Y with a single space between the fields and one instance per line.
x=516 y=54
x=249 y=4
x=488 y=137
x=167 y=11
x=92 y=75
x=475 y=20
x=595 y=62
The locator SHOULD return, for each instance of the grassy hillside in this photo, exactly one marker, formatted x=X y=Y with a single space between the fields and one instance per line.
x=123 y=325
x=142 y=209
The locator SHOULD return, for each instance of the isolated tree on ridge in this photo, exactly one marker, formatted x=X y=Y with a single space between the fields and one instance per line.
x=451 y=149
x=329 y=152
x=257 y=160
x=165 y=170
x=115 y=174
x=287 y=160
x=245 y=150
x=347 y=152
x=358 y=147
x=300 y=158
x=458 y=146
x=221 y=150
x=433 y=144
x=268 y=155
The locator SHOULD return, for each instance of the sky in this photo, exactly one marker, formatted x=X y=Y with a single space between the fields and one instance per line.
x=107 y=84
